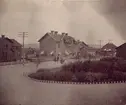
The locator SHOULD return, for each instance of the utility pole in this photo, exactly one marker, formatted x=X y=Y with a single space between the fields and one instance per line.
x=23 y=35
x=100 y=42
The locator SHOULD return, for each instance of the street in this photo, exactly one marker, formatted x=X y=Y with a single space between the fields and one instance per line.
x=17 y=89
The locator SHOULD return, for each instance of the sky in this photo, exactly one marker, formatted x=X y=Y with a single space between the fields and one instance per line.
x=86 y=20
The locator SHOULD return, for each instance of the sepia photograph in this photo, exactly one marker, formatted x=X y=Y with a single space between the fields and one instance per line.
x=62 y=52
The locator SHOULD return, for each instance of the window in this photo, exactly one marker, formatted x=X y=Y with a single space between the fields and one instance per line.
x=6 y=46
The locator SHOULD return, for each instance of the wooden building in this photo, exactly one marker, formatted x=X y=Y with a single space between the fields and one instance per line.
x=108 y=50
x=10 y=49
x=121 y=51
x=54 y=43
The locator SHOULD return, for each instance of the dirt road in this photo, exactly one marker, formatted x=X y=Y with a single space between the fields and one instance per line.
x=17 y=89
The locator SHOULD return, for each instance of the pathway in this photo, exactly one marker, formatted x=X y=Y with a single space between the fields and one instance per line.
x=17 y=89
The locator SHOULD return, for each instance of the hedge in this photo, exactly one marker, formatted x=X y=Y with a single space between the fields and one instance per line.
x=88 y=71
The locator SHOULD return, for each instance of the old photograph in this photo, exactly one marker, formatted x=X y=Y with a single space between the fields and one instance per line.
x=62 y=52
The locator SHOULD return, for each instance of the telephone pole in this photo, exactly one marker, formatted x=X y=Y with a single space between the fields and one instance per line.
x=23 y=35
x=100 y=42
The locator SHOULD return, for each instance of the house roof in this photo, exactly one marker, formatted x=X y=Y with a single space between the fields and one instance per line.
x=16 y=43
x=84 y=43
x=121 y=46
x=43 y=37
x=6 y=38
x=12 y=41
x=70 y=43
x=56 y=37
x=59 y=37
x=75 y=47
x=109 y=46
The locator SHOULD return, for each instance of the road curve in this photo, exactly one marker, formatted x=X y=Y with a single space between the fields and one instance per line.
x=17 y=89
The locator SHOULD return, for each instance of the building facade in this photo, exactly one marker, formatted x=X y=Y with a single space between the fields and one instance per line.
x=121 y=51
x=10 y=49
x=108 y=50
x=55 y=43
x=17 y=49
x=52 y=43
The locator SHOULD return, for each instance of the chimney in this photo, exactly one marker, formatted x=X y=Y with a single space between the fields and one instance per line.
x=3 y=36
x=63 y=33
x=56 y=32
x=52 y=32
x=66 y=34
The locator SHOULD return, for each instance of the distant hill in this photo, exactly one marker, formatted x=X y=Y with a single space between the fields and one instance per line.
x=32 y=45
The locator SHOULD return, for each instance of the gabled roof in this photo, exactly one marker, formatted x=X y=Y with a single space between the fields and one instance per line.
x=16 y=43
x=84 y=43
x=121 y=46
x=43 y=37
x=6 y=38
x=109 y=46
x=56 y=37
x=12 y=41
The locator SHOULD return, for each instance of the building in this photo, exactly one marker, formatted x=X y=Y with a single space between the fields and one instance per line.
x=92 y=51
x=53 y=43
x=121 y=51
x=10 y=49
x=108 y=50
x=17 y=49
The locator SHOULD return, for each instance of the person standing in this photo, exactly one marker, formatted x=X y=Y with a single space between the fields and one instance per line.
x=38 y=60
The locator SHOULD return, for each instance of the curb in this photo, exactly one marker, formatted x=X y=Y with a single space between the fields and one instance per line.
x=73 y=83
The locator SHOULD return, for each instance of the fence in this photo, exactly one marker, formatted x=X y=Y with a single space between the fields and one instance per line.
x=75 y=83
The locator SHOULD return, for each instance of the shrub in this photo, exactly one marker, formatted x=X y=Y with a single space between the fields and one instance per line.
x=42 y=70
x=63 y=76
x=88 y=71
x=109 y=59
x=42 y=75
x=123 y=66
x=100 y=66
x=73 y=67
x=35 y=76
x=48 y=76
x=124 y=76
x=67 y=67
x=77 y=66
x=86 y=66
x=80 y=76
x=118 y=76
x=100 y=77
x=90 y=77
